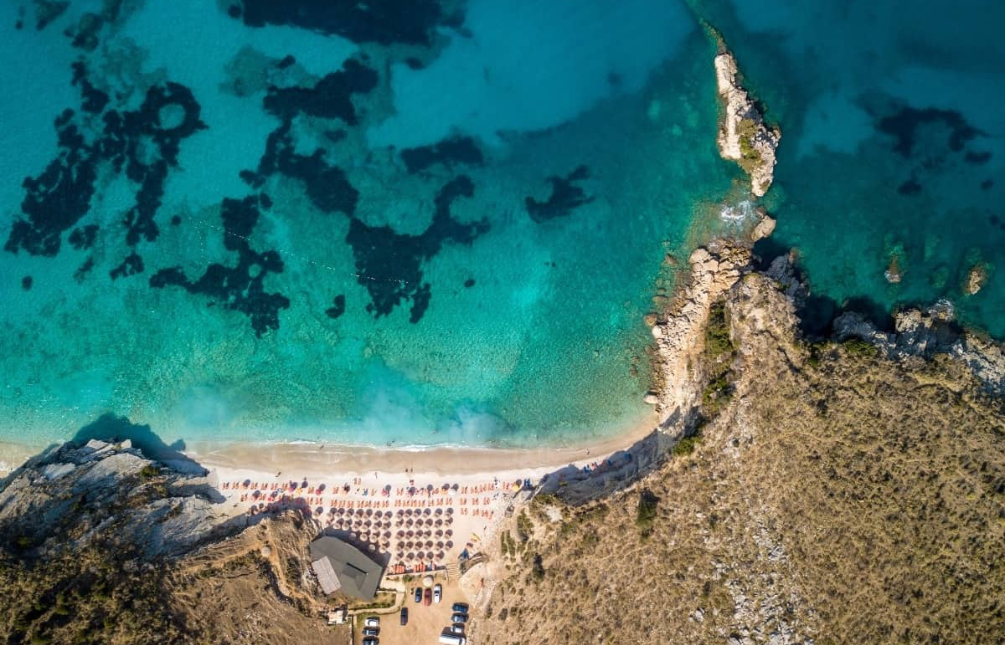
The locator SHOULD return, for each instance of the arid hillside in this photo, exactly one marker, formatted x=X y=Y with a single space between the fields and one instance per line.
x=830 y=496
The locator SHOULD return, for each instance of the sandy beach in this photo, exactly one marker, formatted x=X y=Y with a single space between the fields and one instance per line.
x=418 y=508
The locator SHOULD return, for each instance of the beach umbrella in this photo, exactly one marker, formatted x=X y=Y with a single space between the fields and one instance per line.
x=387 y=535
x=450 y=520
x=372 y=548
x=439 y=545
x=449 y=544
x=450 y=510
x=400 y=534
x=439 y=511
x=440 y=555
x=429 y=544
x=439 y=522
x=409 y=523
x=439 y=533
x=411 y=556
x=448 y=533
x=401 y=512
x=350 y=511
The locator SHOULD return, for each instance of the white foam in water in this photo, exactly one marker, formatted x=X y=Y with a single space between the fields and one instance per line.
x=531 y=65
x=737 y=214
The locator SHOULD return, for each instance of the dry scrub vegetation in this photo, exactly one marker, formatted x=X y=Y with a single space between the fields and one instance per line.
x=227 y=593
x=836 y=496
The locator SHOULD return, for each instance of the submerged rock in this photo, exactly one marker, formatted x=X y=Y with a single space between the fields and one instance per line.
x=743 y=135
x=977 y=276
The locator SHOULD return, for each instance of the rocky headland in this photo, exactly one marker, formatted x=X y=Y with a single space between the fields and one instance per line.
x=743 y=136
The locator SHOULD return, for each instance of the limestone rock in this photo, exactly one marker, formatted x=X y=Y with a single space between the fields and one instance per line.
x=75 y=495
x=763 y=229
x=743 y=135
x=976 y=277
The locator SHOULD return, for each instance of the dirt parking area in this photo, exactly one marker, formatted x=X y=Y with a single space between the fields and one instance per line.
x=425 y=624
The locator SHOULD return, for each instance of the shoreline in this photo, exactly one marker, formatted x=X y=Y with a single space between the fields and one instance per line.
x=311 y=459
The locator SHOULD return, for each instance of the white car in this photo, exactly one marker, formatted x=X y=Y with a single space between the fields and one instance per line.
x=437 y=593
x=372 y=621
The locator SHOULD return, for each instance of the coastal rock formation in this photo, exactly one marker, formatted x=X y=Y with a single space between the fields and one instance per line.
x=828 y=499
x=927 y=334
x=976 y=277
x=77 y=495
x=679 y=334
x=743 y=135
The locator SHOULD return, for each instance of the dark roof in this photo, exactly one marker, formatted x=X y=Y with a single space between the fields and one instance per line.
x=357 y=574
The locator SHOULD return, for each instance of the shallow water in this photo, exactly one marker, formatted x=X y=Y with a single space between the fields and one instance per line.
x=232 y=244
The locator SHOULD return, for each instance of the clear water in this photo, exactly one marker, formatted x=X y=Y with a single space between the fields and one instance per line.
x=398 y=319
x=360 y=294
x=830 y=72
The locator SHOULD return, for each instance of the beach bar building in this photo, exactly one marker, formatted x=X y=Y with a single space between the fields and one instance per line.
x=342 y=567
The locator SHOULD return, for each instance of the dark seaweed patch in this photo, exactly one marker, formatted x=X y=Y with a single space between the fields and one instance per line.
x=46 y=11
x=327 y=186
x=337 y=308
x=565 y=197
x=977 y=158
x=83 y=238
x=385 y=22
x=903 y=126
x=239 y=287
x=987 y=184
x=83 y=270
x=26 y=283
x=389 y=264
x=93 y=100
x=331 y=98
x=175 y=220
x=909 y=187
x=450 y=152
x=470 y=282
x=131 y=265
x=135 y=141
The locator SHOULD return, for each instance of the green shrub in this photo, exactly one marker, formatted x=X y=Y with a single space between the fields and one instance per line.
x=645 y=513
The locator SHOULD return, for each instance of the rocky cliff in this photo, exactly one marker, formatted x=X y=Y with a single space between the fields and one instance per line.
x=74 y=496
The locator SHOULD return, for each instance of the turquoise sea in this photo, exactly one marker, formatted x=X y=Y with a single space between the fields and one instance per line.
x=442 y=221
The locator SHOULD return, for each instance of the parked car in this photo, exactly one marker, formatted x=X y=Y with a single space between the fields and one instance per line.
x=418 y=594
x=404 y=615
x=370 y=631
x=370 y=641
x=459 y=618
x=372 y=621
x=460 y=608
x=428 y=598
x=437 y=593
x=457 y=629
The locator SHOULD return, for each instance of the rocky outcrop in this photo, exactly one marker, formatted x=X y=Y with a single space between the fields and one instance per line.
x=78 y=495
x=743 y=135
x=976 y=277
x=927 y=333
x=679 y=334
